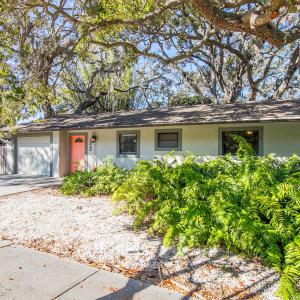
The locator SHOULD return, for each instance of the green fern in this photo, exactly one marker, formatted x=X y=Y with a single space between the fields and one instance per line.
x=249 y=206
x=291 y=273
x=105 y=179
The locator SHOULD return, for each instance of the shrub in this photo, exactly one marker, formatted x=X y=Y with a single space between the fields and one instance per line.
x=103 y=180
x=77 y=183
x=249 y=206
x=107 y=178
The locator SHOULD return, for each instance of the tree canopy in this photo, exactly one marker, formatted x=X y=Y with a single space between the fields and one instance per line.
x=88 y=55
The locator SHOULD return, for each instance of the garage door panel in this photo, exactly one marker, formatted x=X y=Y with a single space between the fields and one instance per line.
x=44 y=140
x=34 y=155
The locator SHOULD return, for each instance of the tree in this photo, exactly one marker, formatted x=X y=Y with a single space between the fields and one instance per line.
x=39 y=45
x=204 y=51
x=237 y=70
x=107 y=80
x=11 y=95
x=236 y=49
x=11 y=90
x=273 y=21
x=102 y=82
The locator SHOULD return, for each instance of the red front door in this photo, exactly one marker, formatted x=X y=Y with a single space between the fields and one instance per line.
x=77 y=152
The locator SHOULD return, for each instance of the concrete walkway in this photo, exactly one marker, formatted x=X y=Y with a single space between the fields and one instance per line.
x=30 y=274
x=12 y=184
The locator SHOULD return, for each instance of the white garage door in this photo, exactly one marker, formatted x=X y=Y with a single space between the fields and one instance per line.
x=34 y=155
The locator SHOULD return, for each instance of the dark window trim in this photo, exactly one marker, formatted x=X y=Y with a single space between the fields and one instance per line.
x=260 y=130
x=177 y=130
x=137 y=132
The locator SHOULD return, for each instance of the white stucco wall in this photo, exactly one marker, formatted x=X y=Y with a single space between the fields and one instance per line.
x=203 y=140
x=7 y=162
x=282 y=139
x=55 y=154
x=10 y=159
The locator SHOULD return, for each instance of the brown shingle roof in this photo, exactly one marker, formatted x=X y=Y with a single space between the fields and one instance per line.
x=288 y=110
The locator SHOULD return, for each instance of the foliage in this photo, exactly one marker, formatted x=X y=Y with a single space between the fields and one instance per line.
x=11 y=94
x=107 y=178
x=249 y=206
x=118 y=9
x=183 y=100
x=168 y=50
x=104 y=179
x=77 y=183
x=88 y=86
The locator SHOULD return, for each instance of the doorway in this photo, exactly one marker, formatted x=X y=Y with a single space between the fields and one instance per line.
x=77 y=152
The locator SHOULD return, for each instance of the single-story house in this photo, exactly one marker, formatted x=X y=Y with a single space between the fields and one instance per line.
x=57 y=146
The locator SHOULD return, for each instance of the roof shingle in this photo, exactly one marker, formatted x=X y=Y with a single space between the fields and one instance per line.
x=288 y=110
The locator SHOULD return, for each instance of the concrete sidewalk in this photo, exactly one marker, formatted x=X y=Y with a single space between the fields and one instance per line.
x=29 y=274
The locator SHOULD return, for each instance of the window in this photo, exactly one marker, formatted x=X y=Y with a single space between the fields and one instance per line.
x=128 y=143
x=252 y=135
x=168 y=139
x=79 y=140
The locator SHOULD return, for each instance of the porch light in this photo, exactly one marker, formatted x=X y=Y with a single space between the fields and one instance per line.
x=92 y=142
x=249 y=132
x=93 y=139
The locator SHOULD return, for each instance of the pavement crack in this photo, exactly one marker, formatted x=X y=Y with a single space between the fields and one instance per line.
x=5 y=246
x=76 y=284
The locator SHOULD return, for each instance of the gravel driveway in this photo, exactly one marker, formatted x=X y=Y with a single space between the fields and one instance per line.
x=85 y=229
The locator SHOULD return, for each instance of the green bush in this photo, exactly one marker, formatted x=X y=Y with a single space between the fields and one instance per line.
x=77 y=183
x=105 y=179
x=249 y=206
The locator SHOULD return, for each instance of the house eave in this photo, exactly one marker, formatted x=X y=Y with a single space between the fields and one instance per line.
x=120 y=126
x=248 y=112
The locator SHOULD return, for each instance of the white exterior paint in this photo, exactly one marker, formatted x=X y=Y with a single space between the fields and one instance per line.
x=282 y=138
x=7 y=159
x=34 y=155
x=55 y=154
x=10 y=158
x=35 y=152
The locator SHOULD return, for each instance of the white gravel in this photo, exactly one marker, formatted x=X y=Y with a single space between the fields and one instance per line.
x=86 y=229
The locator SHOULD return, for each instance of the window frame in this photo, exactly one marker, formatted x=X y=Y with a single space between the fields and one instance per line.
x=175 y=130
x=260 y=130
x=124 y=132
